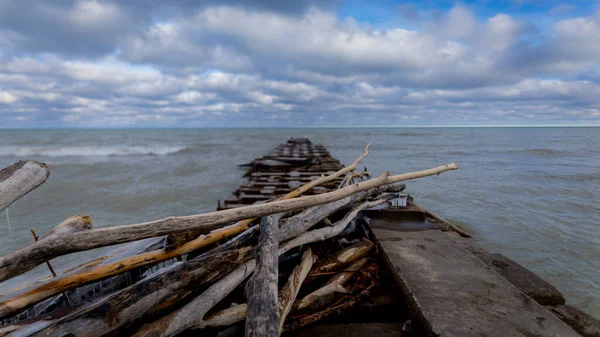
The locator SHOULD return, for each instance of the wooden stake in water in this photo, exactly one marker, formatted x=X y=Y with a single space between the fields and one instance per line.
x=35 y=237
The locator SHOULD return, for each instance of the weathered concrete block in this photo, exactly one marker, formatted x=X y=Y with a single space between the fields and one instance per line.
x=528 y=282
x=455 y=294
x=583 y=323
x=467 y=244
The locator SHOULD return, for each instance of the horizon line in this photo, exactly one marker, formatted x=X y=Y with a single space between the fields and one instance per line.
x=303 y=127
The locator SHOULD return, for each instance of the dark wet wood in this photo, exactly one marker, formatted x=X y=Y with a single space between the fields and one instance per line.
x=148 y=297
x=336 y=310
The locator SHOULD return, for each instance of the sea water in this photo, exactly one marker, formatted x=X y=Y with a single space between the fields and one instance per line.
x=532 y=194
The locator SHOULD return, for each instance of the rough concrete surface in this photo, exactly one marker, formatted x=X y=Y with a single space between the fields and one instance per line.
x=583 y=323
x=528 y=282
x=456 y=294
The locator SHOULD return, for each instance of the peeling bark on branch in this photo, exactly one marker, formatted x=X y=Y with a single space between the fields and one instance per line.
x=290 y=290
x=343 y=257
x=307 y=320
x=334 y=285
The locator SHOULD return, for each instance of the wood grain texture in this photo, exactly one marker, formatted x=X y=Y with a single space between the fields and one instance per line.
x=262 y=318
x=147 y=297
x=19 y=179
x=290 y=290
x=342 y=258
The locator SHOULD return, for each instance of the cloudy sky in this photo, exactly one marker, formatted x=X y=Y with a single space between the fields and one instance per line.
x=154 y=63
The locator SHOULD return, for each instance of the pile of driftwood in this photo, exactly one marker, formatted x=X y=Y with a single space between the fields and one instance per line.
x=277 y=266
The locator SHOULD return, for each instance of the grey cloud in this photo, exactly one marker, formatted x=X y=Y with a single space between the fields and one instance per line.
x=212 y=64
x=408 y=11
x=87 y=28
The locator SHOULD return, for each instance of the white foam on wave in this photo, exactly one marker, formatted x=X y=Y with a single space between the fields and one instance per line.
x=88 y=151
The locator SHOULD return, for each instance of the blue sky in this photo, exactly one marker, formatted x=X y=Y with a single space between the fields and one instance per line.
x=269 y=63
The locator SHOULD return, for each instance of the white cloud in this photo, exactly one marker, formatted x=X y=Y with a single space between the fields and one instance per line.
x=7 y=98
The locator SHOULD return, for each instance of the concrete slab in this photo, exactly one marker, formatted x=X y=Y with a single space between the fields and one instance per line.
x=528 y=282
x=583 y=323
x=456 y=294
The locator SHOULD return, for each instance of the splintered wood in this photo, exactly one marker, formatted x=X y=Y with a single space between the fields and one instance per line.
x=266 y=261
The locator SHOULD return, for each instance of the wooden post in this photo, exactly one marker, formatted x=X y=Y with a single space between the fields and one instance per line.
x=65 y=296
x=262 y=318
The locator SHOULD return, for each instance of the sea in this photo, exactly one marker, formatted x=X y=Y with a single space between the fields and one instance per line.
x=532 y=194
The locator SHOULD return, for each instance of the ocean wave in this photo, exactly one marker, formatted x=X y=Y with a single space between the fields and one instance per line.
x=546 y=152
x=91 y=151
x=413 y=134
x=458 y=153
x=580 y=177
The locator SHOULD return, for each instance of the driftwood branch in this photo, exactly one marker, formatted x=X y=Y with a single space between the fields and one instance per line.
x=38 y=252
x=334 y=285
x=342 y=258
x=19 y=179
x=149 y=296
x=307 y=320
x=293 y=226
x=287 y=296
x=225 y=317
x=64 y=294
x=262 y=318
x=190 y=316
x=290 y=290
x=325 y=233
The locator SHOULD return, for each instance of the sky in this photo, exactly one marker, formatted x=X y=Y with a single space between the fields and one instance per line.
x=271 y=63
